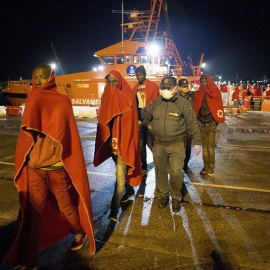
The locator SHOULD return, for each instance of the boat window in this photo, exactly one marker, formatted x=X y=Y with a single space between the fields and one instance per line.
x=120 y=59
x=136 y=59
x=128 y=59
x=68 y=85
x=107 y=60
x=144 y=59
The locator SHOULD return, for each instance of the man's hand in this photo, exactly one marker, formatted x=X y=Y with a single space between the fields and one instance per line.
x=197 y=149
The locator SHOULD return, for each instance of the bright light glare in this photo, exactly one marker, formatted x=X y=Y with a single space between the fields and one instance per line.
x=100 y=68
x=94 y=69
x=203 y=65
x=153 y=49
x=220 y=77
x=53 y=65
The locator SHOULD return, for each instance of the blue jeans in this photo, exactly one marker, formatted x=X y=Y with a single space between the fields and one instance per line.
x=121 y=171
x=208 y=133
x=145 y=138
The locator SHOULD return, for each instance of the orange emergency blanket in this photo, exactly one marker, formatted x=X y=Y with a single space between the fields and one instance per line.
x=119 y=105
x=51 y=113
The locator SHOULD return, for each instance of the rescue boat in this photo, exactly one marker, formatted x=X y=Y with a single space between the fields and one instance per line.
x=16 y=91
x=159 y=55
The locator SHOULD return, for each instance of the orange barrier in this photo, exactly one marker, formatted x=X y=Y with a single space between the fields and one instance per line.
x=246 y=104
x=234 y=111
x=13 y=110
x=266 y=105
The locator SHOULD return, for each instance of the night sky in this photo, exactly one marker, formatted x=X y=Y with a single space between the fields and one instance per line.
x=232 y=34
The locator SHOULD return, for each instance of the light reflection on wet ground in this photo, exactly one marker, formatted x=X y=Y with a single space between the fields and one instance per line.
x=216 y=228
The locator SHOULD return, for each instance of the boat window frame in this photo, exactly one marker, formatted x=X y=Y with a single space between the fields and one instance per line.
x=147 y=59
x=138 y=59
x=129 y=59
x=105 y=62
x=122 y=58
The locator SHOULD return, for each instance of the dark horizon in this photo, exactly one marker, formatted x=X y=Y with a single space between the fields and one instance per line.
x=231 y=34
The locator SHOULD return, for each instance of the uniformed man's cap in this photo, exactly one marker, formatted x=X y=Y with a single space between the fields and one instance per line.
x=183 y=83
x=168 y=82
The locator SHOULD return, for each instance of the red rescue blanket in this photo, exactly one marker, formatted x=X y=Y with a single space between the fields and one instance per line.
x=213 y=98
x=119 y=105
x=51 y=113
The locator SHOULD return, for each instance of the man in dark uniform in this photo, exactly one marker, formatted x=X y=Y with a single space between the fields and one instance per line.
x=171 y=118
x=188 y=95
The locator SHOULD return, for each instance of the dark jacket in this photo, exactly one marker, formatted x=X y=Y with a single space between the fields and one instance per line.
x=188 y=96
x=171 y=120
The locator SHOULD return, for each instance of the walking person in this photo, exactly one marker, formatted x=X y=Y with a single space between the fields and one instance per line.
x=50 y=175
x=118 y=137
x=209 y=111
x=146 y=91
x=171 y=118
x=185 y=92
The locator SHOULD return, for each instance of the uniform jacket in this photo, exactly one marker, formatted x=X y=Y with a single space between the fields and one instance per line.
x=188 y=96
x=171 y=119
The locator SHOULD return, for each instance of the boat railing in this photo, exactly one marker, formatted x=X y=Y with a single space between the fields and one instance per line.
x=171 y=57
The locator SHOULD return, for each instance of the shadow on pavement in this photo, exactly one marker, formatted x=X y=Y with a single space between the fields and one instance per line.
x=6 y=236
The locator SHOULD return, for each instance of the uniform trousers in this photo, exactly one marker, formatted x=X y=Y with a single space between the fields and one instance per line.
x=169 y=160
x=188 y=152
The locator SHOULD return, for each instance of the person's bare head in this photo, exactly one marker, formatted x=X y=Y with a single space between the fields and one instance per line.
x=41 y=74
x=111 y=80
x=204 y=81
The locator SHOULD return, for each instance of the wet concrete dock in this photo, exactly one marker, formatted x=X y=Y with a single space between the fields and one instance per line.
x=224 y=222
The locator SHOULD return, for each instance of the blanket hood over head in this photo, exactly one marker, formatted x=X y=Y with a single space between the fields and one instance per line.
x=51 y=113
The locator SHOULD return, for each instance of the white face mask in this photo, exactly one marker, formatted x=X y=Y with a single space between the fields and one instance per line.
x=168 y=94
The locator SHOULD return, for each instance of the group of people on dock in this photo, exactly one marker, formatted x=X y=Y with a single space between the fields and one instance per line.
x=50 y=172
x=244 y=96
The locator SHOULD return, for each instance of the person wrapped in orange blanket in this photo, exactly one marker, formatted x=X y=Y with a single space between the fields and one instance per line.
x=118 y=137
x=208 y=108
x=50 y=175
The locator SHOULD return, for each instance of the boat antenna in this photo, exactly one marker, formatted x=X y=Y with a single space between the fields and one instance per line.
x=122 y=46
x=57 y=60
x=165 y=8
